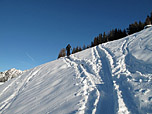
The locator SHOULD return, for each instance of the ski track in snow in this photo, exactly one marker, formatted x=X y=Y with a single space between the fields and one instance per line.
x=115 y=71
x=107 y=102
x=122 y=89
x=119 y=69
x=99 y=77
x=89 y=72
x=20 y=87
x=92 y=69
x=88 y=88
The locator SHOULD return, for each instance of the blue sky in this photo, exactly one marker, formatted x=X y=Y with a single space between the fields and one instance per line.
x=32 y=32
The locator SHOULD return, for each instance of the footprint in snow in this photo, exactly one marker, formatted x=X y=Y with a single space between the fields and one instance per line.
x=150 y=98
x=143 y=91
x=137 y=90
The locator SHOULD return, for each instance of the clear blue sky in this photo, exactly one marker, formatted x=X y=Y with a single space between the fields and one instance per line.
x=32 y=32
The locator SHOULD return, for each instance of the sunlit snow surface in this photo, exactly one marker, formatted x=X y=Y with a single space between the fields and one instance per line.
x=114 y=77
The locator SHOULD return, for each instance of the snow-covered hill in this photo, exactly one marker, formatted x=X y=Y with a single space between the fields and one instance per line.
x=114 y=77
x=9 y=74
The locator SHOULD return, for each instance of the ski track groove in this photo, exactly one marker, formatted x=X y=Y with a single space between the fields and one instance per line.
x=121 y=106
x=94 y=72
x=102 y=61
x=78 y=75
x=118 y=70
x=123 y=70
x=88 y=85
x=20 y=87
x=97 y=62
x=107 y=104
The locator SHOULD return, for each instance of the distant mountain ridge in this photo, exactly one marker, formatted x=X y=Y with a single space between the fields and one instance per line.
x=9 y=74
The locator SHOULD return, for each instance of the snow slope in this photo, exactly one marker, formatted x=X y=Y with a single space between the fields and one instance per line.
x=111 y=78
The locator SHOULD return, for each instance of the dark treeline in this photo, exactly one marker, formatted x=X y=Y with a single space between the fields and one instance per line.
x=114 y=34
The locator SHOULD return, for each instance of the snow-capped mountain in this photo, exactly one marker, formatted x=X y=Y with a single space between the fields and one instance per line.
x=112 y=78
x=9 y=74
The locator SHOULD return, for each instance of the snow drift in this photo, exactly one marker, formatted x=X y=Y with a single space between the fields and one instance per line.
x=114 y=77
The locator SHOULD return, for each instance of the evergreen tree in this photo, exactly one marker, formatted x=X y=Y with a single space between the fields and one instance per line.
x=133 y=28
x=120 y=34
x=116 y=34
x=111 y=35
x=92 y=44
x=105 y=39
x=62 y=53
x=95 y=43
x=124 y=33
x=151 y=17
x=88 y=46
x=84 y=47
x=77 y=49
x=73 y=51
x=148 y=21
x=80 y=49
x=141 y=26
x=100 y=39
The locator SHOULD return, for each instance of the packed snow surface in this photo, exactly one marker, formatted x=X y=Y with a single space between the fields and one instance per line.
x=112 y=78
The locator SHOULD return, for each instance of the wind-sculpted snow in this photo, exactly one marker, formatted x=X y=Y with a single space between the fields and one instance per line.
x=112 y=78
